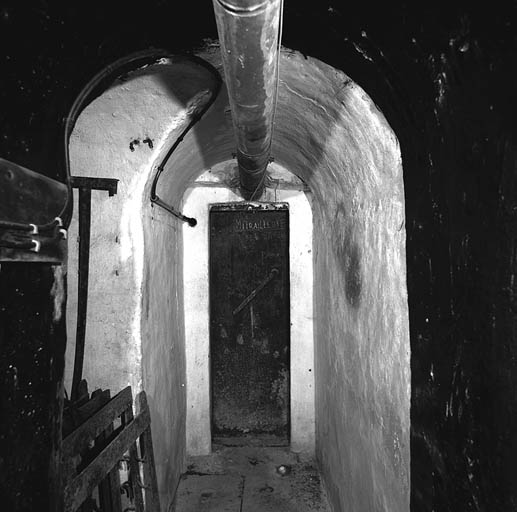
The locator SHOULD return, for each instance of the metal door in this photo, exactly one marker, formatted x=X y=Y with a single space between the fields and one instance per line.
x=249 y=320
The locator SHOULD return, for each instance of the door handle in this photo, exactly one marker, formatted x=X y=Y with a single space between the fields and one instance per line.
x=255 y=292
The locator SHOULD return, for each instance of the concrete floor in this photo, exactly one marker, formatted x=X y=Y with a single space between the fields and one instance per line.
x=250 y=479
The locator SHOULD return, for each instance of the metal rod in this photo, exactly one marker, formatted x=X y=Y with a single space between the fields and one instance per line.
x=255 y=292
x=85 y=196
x=108 y=184
x=191 y=221
x=196 y=116
x=85 y=185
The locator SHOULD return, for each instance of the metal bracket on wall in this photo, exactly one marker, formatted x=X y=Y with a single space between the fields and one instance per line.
x=32 y=209
x=85 y=186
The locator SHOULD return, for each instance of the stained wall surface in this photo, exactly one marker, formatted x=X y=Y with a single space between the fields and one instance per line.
x=350 y=158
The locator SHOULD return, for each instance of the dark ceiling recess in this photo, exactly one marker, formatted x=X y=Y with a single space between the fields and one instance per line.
x=445 y=78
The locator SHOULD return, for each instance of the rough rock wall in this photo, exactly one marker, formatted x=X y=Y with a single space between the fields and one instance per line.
x=32 y=340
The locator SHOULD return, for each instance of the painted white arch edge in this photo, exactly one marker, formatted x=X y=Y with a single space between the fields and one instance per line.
x=197 y=201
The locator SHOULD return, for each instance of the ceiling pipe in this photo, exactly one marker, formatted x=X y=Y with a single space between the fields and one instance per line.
x=249 y=36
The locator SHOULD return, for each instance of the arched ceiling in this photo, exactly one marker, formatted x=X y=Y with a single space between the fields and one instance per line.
x=327 y=131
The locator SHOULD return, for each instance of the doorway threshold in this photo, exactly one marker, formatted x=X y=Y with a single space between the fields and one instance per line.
x=259 y=440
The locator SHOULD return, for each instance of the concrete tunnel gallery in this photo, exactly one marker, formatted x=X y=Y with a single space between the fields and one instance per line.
x=436 y=79
x=270 y=310
x=244 y=331
x=276 y=312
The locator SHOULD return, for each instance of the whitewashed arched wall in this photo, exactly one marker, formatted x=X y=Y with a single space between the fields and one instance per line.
x=134 y=332
x=330 y=134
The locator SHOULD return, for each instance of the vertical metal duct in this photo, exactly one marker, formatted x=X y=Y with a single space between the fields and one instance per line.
x=249 y=35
